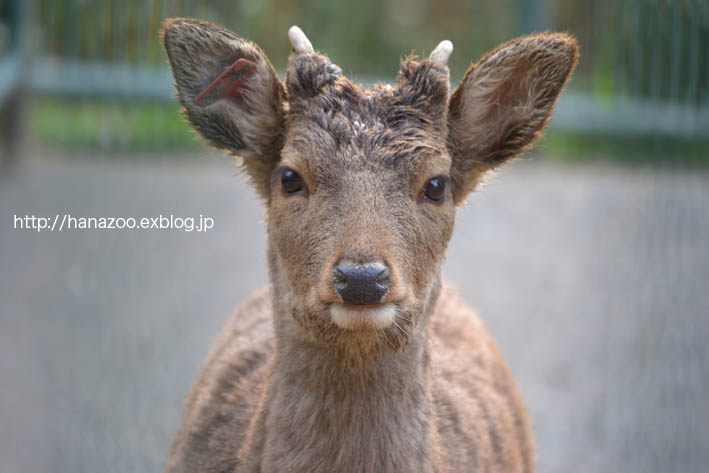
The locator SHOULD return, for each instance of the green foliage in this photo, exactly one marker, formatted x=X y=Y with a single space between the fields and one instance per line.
x=367 y=37
x=626 y=149
x=110 y=125
x=641 y=49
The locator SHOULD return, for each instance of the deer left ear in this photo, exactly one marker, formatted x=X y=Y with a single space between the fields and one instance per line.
x=503 y=103
x=230 y=93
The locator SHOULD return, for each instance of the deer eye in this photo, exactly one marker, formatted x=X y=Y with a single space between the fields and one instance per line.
x=435 y=189
x=291 y=181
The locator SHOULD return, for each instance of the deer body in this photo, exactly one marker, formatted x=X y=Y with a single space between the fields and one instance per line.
x=356 y=359
x=450 y=404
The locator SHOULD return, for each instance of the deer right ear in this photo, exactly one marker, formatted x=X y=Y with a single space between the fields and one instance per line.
x=230 y=93
x=503 y=103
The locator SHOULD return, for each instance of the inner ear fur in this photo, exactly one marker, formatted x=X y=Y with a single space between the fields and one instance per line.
x=250 y=120
x=503 y=102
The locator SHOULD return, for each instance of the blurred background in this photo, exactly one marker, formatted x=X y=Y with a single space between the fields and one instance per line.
x=588 y=259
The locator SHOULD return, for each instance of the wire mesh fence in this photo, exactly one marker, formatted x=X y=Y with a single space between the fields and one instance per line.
x=644 y=65
x=592 y=277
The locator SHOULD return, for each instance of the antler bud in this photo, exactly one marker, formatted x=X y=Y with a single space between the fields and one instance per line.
x=300 y=42
x=442 y=52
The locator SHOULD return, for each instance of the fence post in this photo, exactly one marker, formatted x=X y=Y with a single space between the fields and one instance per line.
x=13 y=102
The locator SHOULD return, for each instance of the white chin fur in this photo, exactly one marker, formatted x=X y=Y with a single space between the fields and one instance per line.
x=378 y=317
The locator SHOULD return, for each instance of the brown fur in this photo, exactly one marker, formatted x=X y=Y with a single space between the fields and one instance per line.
x=286 y=389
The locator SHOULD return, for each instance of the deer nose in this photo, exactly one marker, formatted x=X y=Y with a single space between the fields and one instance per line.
x=360 y=284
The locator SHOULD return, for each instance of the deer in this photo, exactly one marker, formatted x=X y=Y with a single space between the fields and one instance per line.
x=356 y=357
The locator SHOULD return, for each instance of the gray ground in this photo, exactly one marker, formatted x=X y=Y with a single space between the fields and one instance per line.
x=594 y=279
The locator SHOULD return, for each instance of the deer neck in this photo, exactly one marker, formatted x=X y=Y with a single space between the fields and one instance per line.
x=377 y=417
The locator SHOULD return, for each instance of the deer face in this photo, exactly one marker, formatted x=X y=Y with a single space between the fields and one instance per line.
x=361 y=185
x=363 y=188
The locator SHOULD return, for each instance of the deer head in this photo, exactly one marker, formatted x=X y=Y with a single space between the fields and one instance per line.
x=361 y=185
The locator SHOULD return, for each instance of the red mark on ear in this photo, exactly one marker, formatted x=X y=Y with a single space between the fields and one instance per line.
x=228 y=84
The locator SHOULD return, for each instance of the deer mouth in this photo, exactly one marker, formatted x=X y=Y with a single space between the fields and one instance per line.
x=357 y=317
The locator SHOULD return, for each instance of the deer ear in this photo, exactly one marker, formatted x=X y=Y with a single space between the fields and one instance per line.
x=503 y=102
x=230 y=92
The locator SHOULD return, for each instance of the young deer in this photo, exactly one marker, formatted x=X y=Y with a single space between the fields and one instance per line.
x=355 y=359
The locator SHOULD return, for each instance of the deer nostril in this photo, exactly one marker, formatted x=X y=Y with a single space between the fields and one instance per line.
x=361 y=283
x=384 y=278
x=339 y=280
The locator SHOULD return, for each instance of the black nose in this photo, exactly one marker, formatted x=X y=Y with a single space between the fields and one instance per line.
x=361 y=283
